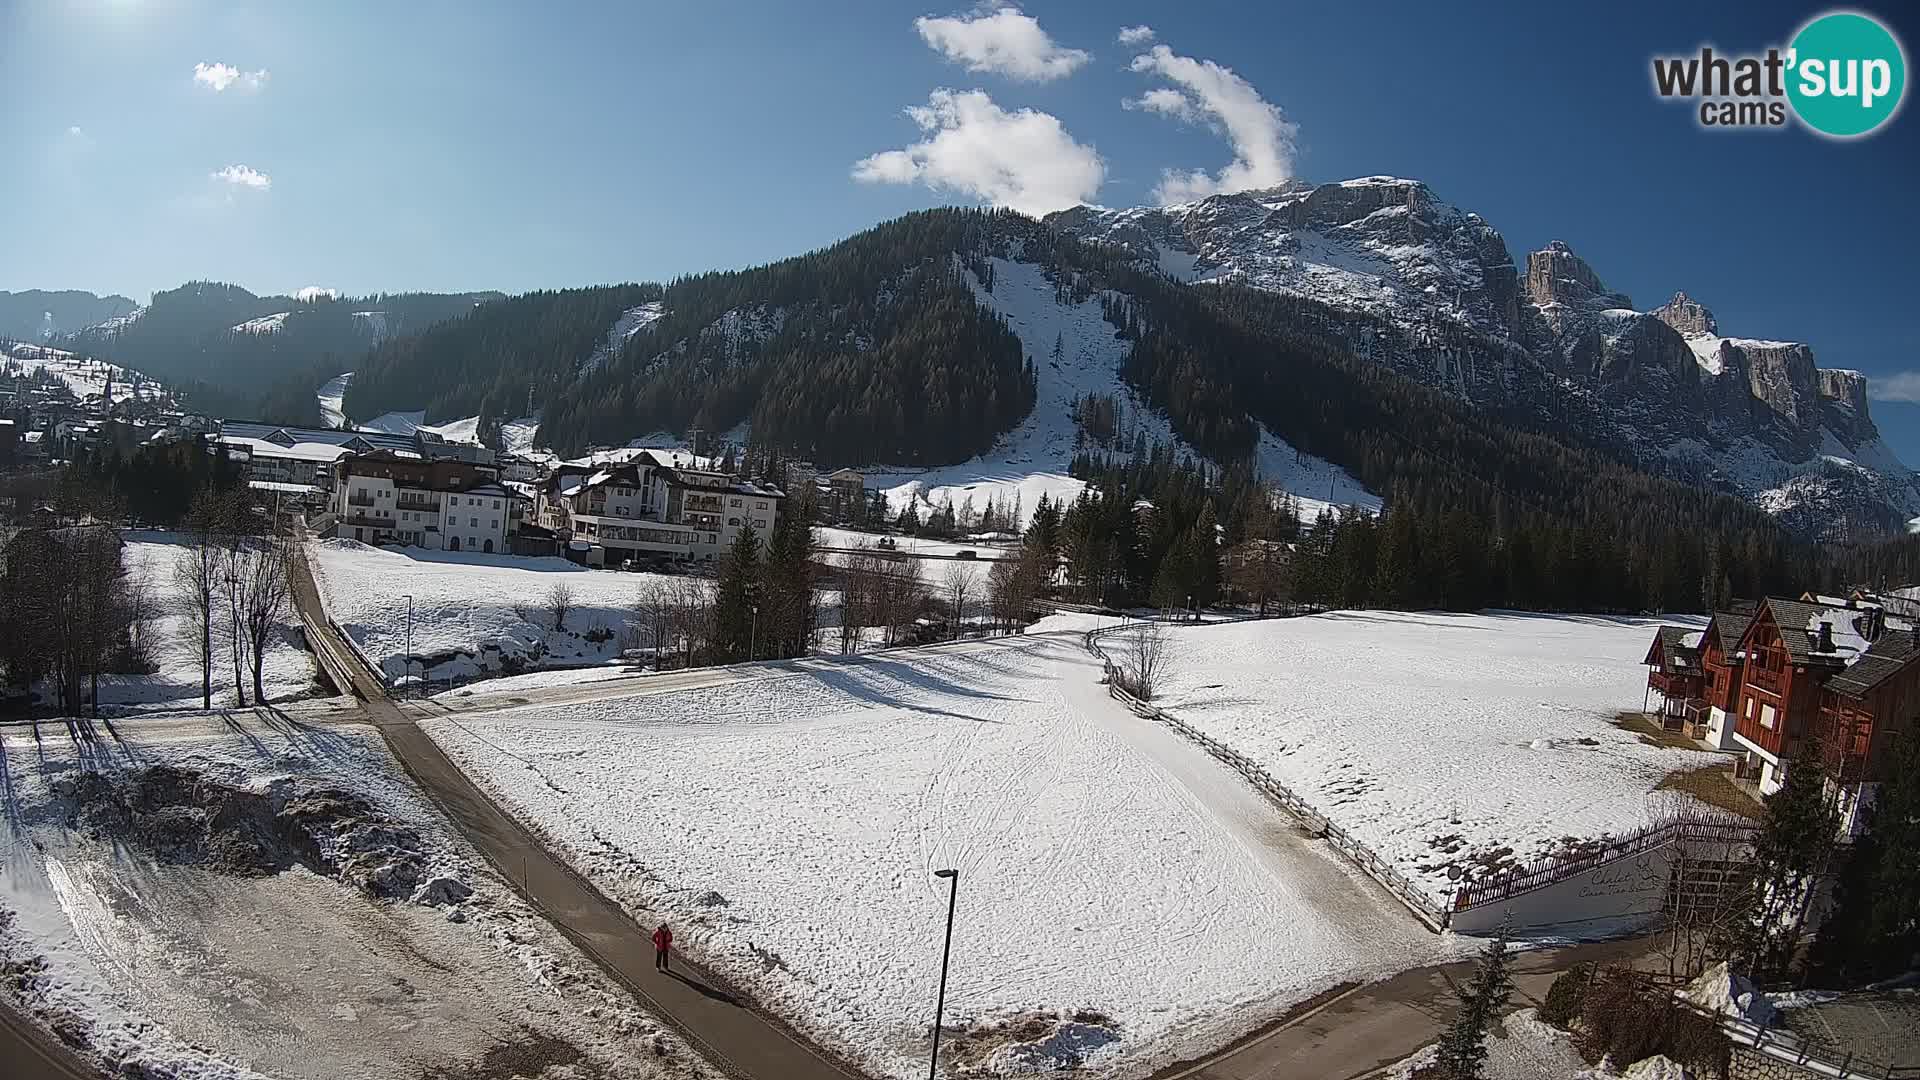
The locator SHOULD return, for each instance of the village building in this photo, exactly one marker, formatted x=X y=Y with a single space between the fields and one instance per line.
x=1839 y=671
x=1722 y=667
x=647 y=510
x=387 y=497
x=1675 y=673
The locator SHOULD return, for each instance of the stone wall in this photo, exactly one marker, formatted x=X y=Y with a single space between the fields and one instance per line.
x=1751 y=1064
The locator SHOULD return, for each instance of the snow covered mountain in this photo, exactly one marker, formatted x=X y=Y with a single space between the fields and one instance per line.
x=1552 y=347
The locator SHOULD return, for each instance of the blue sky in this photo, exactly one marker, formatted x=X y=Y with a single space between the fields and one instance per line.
x=452 y=146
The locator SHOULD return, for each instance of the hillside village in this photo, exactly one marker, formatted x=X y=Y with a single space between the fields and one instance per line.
x=545 y=603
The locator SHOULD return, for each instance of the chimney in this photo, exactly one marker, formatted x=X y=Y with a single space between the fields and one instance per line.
x=1824 y=643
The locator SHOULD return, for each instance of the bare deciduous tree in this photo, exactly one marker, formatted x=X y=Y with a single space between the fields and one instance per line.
x=960 y=587
x=559 y=602
x=1711 y=887
x=691 y=622
x=1150 y=646
x=266 y=598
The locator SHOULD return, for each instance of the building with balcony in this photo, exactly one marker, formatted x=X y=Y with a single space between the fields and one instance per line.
x=386 y=497
x=1675 y=673
x=645 y=510
x=1792 y=649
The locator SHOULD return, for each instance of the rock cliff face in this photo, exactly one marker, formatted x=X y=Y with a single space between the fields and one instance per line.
x=1554 y=345
x=1687 y=315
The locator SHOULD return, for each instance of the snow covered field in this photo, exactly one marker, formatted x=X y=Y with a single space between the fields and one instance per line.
x=1138 y=899
x=173 y=646
x=471 y=612
x=1438 y=740
x=230 y=899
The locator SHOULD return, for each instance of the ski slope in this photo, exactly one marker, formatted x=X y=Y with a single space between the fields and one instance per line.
x=332 y=395
x=788 y=828
x=1436 y=739
x=1032 y=459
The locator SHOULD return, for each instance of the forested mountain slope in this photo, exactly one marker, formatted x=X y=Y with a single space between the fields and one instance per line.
x=237 y=354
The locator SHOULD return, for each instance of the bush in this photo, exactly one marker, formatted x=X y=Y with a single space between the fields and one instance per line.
x=1623 y=1016
x=1564 y=997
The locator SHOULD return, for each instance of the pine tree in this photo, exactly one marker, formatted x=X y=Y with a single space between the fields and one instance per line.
x=1791 y=853
x=734 y=622
x=1874 y=930
x=1463 y=1050
x=1203 y=550
x=1397 y=562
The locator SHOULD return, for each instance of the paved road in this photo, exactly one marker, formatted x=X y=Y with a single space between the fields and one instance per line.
x=1361 y=1032
x=30 y=1053
x=721 y=1024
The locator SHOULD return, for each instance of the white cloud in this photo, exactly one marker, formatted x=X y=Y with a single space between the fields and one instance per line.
x=1025 y=160
x=315 y=292
x=244 y=176
x=1901 y=386
x=1003 y=41
x=1136 y=35
x=1261 y=135
x=1167 y=102
x=220 y=76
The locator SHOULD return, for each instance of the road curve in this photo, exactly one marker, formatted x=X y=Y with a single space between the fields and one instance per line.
x=31 y=1053
x=720 y=1023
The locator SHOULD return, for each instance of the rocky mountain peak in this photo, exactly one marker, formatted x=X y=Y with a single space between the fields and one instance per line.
x=1556 y=276
x=1688 y=316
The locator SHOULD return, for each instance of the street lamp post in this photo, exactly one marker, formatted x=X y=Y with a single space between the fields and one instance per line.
x=753 y=635
x=409 y=664
x=946 y=954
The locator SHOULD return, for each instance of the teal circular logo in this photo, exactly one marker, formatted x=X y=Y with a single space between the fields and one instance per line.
x=1847 y=74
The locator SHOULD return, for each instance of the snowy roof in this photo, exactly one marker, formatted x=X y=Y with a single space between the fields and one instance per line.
x=285 y=489
x=1883 y=659
x=300 y=451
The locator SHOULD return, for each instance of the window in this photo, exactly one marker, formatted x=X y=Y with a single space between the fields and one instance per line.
x=1766 y=716
x=473 y=523
x=759 y=523
x=496 y=504
x=733 y=522
x=733 y=502
x=760 y=504
x=1749 y=708
x=495 y=525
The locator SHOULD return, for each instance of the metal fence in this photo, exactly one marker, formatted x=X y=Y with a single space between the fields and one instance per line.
x=1433 y=915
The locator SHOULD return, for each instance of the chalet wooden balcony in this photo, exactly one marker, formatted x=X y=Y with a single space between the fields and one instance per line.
x=359 y=500
x=1770 y=681
x=1683 y=684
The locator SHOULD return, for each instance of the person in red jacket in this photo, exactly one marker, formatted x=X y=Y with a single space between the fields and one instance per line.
x=662 y=944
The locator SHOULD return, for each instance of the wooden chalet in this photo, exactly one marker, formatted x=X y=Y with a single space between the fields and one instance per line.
x=1861 y=711
x=1723 y=666
x=1792 y=648
x=1674 y=672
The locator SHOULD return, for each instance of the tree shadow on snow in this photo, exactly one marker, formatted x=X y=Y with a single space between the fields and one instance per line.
x=849 y=682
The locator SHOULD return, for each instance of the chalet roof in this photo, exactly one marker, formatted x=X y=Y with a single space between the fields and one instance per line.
x=1729 y=627
x=1679 y=648
x=1882 y=660
x=1793 y=617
